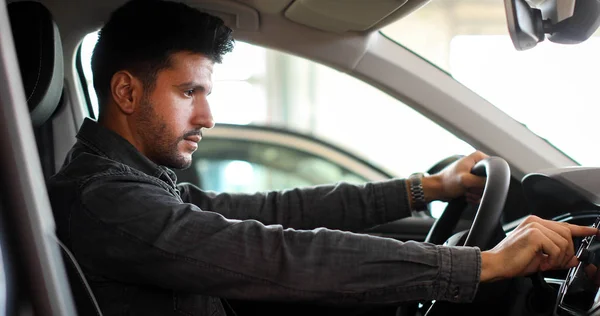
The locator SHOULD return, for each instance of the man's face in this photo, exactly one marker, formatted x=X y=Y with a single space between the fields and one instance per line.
x=172 y=116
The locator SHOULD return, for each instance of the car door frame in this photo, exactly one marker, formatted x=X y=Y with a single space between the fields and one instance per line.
x=30 y=229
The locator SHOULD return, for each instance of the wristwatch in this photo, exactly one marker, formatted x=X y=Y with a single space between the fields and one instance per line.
x=417 y=195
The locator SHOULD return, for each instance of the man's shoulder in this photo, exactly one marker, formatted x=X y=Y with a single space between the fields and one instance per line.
x=82 y=166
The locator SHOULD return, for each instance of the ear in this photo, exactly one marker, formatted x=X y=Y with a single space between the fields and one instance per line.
x=126 y=91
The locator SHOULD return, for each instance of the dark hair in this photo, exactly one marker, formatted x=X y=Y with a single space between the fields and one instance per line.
x=141 y=35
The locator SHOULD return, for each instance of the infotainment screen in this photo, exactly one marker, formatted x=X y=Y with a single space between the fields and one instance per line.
x=579 y=294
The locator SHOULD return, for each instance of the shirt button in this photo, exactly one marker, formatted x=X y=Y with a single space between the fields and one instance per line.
x=456 y=292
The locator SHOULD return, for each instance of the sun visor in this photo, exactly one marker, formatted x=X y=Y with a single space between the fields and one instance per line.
x=342 y=15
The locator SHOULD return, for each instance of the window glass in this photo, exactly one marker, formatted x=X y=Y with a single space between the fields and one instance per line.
x=240 y=166
x=550 y=88
x=87 y=47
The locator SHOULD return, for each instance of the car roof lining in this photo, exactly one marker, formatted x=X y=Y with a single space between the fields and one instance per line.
x=273 y=29
x=338 y=15
x=261 y=22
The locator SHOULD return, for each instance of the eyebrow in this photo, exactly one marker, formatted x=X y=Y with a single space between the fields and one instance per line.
x=192 y=85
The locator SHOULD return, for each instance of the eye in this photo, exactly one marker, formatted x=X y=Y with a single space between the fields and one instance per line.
x=189 y=93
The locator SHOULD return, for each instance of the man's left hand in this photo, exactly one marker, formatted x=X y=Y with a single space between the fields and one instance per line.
x=456 y=180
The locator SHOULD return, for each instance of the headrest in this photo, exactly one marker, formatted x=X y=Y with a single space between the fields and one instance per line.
x=40 y=55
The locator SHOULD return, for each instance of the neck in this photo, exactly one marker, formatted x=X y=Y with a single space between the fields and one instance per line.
x=123 y=126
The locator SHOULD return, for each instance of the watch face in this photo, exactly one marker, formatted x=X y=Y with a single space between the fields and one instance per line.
x=417 y=174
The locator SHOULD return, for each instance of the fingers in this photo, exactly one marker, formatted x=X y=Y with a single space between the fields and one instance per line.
x=539 y=239
x=562 y=229
x=474 y=195
x=539 y=245
x=582 y=231
x=562 y=239
x=456 y=178
x=561 y=234
x=477 y=156
x=572 y=263
x=469 y=180
x=473 y=182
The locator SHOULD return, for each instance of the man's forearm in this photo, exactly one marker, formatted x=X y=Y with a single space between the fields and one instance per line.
x=341 y=206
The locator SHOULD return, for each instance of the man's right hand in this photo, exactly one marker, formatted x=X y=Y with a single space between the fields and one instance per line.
x=535 y=245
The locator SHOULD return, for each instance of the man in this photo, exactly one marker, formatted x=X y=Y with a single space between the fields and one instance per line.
x=151 y=247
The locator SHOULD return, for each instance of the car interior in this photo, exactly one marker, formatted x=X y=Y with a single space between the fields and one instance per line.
x=45 y=96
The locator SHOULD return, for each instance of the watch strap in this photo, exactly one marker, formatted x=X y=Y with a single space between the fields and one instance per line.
x=417 y=195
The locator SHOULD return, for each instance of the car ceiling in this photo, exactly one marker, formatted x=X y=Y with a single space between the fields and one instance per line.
x=327 y=15
x=338 y=15
x=303 y=27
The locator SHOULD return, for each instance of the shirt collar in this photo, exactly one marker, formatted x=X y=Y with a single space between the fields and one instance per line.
x=111 y=145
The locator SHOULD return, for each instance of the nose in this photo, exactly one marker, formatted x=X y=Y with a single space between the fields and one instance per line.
x=203 y=117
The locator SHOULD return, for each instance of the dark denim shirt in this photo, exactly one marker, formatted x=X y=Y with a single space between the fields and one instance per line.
x=151 y=247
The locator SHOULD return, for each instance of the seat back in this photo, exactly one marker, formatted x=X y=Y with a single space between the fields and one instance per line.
x=39 y=51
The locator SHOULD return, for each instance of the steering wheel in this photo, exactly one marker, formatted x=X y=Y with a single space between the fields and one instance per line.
x=487 y=218
x=489 y=212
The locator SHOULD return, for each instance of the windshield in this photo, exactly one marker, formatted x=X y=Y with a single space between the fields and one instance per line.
x=551 y=88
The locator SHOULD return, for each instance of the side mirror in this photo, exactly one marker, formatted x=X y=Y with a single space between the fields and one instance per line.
x=566 y=21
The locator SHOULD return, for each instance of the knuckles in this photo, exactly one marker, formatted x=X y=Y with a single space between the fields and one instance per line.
x=532 y=232
x=531 y=219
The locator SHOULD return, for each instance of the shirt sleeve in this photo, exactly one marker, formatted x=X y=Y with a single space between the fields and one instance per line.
x=137 y=232
x=341 y=206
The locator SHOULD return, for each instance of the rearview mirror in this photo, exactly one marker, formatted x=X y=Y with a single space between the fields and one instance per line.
x=566 y=21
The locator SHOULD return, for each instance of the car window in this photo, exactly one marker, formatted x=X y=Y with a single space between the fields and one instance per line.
x=226 y=165
x=281 y=90
x=549 y=88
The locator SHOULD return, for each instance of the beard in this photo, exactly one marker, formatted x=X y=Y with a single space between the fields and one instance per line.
x=161 y=146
